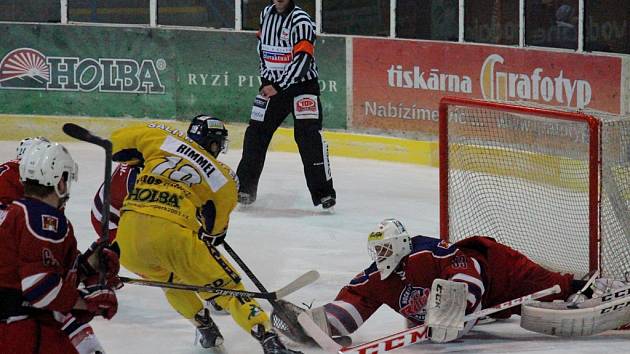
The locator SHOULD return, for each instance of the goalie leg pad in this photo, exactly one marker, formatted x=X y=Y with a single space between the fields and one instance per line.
x=319 y=317
x=593 y=316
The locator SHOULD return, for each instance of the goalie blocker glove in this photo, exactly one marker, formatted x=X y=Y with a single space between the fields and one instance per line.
x=446 y=310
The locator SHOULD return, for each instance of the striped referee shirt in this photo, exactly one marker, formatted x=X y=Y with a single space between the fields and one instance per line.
x=286 y=43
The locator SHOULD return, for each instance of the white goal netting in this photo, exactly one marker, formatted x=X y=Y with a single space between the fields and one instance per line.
x=532 y=179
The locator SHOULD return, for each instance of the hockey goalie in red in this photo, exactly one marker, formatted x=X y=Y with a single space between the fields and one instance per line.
x=405 y=268
x=42 y=303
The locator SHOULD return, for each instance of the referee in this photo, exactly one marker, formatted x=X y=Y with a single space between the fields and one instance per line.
x=289 y=85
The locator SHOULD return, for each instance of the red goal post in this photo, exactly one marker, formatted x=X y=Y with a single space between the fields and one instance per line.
x=552 y=184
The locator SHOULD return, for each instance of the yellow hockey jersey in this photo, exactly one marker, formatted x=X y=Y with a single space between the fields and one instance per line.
x=179 y=177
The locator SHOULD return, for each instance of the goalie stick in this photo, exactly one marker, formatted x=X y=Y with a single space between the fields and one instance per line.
x=302 y=281
x=83 y=134
x=409 y=336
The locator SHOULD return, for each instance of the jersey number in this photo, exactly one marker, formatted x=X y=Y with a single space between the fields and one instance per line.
x=184 y=173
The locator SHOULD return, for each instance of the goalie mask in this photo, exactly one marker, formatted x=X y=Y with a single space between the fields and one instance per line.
x=388 y=245
x=210 y=133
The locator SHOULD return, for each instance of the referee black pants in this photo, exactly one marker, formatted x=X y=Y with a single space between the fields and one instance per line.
x=311 y=145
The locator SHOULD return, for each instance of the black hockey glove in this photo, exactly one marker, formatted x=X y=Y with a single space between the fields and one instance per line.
x=211 y=240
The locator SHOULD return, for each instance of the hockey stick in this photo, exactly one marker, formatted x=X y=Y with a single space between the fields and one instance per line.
x=302 y=281
x=577 y=295
x=285 y=318
x=83 y=134
x=407 y=337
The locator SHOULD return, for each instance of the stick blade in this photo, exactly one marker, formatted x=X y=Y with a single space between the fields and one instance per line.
x=80 y=133
x=305 y=279
x=319 y=336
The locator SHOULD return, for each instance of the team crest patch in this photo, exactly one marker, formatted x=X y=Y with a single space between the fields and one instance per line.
x=284 y=35
x=459 y=262
x=413 y=301
x=50 y=223
x=48 y=259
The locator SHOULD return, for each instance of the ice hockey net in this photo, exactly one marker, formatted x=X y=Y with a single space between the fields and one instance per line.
x=552 y=184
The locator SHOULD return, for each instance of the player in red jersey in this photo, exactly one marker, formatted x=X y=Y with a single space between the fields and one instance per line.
x=10 y=186
x=123 y=180
x=40 y=266
x=80 y=333
x=405 y=267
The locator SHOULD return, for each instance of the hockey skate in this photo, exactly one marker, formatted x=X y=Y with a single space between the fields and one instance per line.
x=270 y=341
x=208 y=332
x=245 y=200
x=328 y=204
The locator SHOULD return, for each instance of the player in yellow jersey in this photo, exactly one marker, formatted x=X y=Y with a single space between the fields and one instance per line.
x=177 y=213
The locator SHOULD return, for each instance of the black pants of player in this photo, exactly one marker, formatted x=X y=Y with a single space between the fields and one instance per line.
x=312 y=148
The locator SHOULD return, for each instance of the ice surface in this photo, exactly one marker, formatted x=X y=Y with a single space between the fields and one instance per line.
x=283 y=235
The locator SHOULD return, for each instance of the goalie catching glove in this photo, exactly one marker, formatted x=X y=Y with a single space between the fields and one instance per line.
x=286 y=322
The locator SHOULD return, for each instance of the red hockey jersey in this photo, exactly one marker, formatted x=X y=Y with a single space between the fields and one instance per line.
x=38 y=253
x=10 y=186
x=123 y=180
x=493 y=272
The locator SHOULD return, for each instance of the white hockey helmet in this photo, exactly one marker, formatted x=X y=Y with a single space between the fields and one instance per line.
x=388 y=245
x=46 y=164
x=27 y=143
